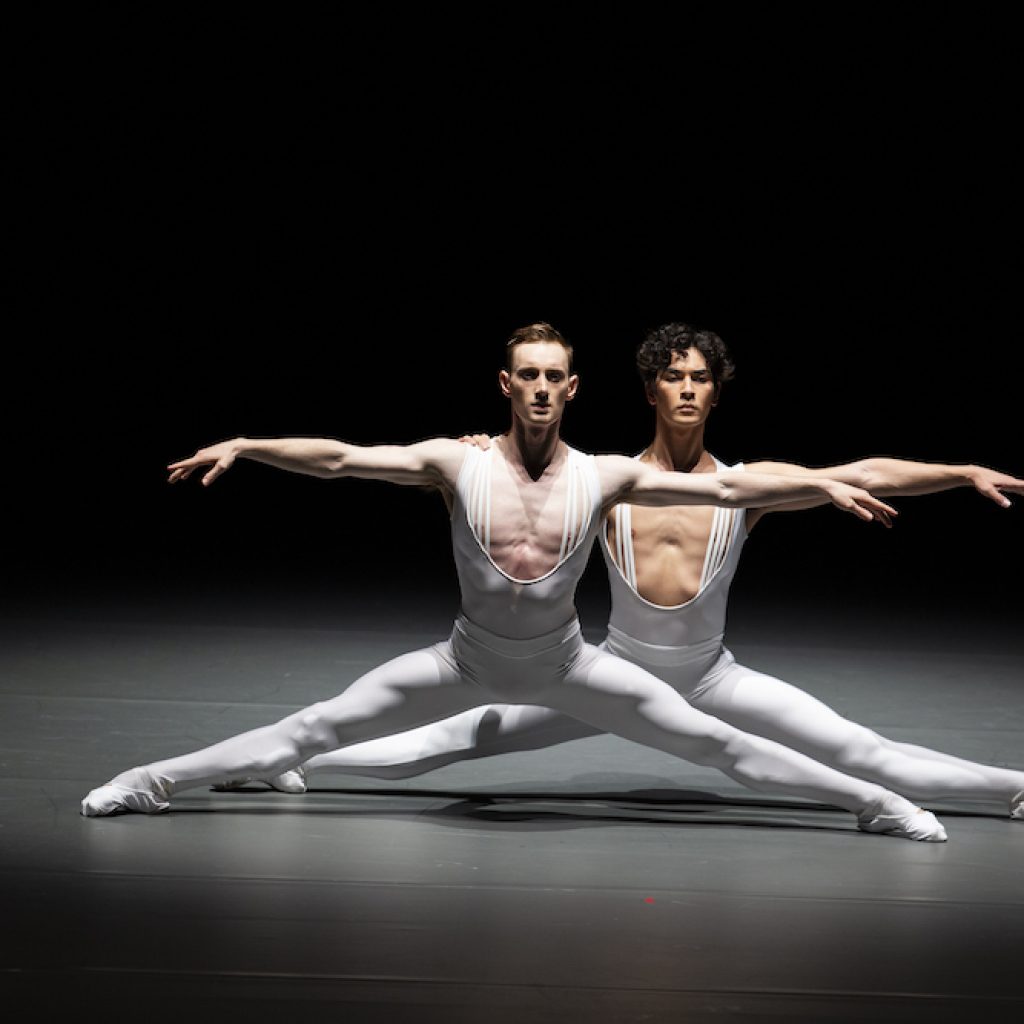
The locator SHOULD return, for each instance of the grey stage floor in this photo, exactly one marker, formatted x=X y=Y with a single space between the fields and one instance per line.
x=600 y=881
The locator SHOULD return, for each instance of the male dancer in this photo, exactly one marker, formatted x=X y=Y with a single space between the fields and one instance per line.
x=670 y=570
x=525 y=513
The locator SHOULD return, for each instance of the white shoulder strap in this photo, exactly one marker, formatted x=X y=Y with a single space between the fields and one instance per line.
x=478 y=504
x=719 y=542
x=624 y=543
x=579 y=503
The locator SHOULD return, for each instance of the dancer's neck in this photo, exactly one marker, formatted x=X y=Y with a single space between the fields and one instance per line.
x=532 y=449
x=681 y=450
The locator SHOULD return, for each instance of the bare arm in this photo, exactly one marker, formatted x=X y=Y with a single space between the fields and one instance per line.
x=436 y=461
x=627 y=480
x=893 y=477
x=899 y=477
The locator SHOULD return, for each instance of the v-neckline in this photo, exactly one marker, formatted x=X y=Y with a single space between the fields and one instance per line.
x=569 y=468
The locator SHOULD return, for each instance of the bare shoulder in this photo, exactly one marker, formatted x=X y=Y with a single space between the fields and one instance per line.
x=444 y=455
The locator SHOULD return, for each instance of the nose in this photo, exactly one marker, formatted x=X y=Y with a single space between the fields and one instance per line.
x=686 y=387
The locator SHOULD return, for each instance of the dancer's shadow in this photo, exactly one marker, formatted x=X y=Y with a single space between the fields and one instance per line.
x=540 y=811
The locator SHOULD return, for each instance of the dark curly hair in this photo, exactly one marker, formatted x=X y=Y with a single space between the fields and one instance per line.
x=656 y=351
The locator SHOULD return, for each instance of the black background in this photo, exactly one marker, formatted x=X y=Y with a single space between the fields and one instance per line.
x=276 y=223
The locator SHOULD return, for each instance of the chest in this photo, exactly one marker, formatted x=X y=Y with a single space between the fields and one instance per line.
x=680 y=533
x=671 y=553
x=528 y=526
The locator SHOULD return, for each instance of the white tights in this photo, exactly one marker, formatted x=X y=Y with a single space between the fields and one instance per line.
x=751 y=701
x=576 y=682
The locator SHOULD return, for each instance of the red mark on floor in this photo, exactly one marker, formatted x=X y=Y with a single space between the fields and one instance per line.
x=648 y=899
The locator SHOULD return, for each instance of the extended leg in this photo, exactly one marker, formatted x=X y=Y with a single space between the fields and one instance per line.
x=479 y=732
x=769 y=707
x=624 y=699
x=411 y=689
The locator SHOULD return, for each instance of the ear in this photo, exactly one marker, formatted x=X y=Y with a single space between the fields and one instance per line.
x=652 y=398
x=504 y=382
x=574 y=383
x=718 y=395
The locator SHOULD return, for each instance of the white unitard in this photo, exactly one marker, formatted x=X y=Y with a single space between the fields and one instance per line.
x=514 y=642
x=683 y=646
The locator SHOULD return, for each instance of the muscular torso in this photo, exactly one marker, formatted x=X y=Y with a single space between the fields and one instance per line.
x=669 y=547
x=521 y=544
x=528 y=517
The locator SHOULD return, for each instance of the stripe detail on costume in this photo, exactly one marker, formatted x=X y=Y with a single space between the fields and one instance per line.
x=719 y=543
x=624 y=543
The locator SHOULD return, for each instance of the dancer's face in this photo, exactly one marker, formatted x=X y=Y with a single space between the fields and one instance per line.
x=538 y=383
x=684 y=393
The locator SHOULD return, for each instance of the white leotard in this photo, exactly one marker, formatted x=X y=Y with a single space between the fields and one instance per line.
x=701 y=620
x=499 y=602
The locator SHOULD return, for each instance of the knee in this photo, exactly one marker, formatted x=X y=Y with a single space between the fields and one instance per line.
x=314 y=733
x=861 y=749
x=699 y=737
x=718 y=747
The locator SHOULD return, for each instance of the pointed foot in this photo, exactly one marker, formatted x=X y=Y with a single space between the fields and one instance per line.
x=916 y=824
x=131 y=792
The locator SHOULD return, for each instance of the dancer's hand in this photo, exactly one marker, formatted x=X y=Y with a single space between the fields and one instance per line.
x=991 y=483
x=221 y=456
x=861 y=503
x=482 y=441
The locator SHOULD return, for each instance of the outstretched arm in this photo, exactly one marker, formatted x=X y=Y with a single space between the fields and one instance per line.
x=627 y=480
x=436 y=461
x=898 y=477
x=893 y=478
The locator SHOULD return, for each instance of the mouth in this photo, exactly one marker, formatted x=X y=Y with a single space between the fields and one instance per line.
x=686 y=408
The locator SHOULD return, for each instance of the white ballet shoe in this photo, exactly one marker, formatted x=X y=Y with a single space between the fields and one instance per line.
x=134 y=791
x=913 y=823
x=291 y=781
x=1017 y=806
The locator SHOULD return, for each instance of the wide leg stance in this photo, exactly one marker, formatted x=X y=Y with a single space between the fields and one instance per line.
x=557 y=670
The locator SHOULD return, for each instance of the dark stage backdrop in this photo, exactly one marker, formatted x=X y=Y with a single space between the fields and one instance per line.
x=246 y=234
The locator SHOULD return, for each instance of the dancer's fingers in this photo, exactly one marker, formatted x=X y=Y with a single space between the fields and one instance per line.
x=994 y=493
x=219 y=469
